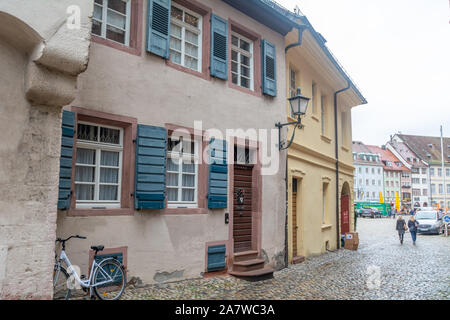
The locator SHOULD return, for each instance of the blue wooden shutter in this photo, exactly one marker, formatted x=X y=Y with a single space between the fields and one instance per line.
x=219 y=47
x=218 y=175
x=216 y=258
x=158 y=36
x=269 y=68
x=150 y=179
x=65 y=162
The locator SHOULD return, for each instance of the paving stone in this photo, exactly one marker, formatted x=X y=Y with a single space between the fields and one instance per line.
x=406 y=272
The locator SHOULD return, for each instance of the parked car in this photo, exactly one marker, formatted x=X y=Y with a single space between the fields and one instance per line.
x=429 y=222
x=369 y=212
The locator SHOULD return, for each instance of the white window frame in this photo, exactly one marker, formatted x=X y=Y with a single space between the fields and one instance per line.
x=199 y=31
x=98 y=147
x=180 y=157
x=248 y=55
x=104 y=20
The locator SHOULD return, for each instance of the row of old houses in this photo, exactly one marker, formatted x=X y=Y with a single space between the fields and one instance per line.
x=142 y=125
x=409 y=166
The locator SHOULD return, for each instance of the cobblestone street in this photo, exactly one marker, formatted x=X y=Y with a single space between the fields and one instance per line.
x=406 y=272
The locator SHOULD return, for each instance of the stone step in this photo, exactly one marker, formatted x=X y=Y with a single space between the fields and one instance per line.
x=298 y=259
x=254 y=275
x=245 y=255
x=248 y=265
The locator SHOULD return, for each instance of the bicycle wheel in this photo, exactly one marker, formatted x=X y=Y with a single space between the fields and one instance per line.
x=112 y=289
x=61 y=291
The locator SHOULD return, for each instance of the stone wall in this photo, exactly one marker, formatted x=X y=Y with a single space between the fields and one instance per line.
x=38 y=77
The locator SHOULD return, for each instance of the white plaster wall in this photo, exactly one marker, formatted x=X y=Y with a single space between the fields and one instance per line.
x=146 y=88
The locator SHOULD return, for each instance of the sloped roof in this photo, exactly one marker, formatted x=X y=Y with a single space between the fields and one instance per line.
x=387 y=156
x=282 y=20
x=427 y=148
x=359 y=147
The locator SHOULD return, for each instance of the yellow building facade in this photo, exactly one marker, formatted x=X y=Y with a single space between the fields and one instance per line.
x=320 y=201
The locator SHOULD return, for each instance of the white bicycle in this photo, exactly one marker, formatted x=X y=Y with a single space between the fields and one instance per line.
x=106 y=279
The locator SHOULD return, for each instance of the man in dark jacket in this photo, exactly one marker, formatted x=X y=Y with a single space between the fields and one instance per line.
x=401 y=228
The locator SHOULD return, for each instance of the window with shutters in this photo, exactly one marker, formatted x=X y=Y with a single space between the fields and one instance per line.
x=186 y=38
x=242 y=61
x=112 y=20
x=182 y=172
x=98 y=167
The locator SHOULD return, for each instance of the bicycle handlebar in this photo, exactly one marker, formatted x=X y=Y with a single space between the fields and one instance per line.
x=64 y=240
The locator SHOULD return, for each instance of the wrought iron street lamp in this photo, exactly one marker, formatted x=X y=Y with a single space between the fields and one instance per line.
x=299 y=105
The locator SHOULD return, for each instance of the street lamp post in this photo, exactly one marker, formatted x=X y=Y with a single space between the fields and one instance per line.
x=298 y=104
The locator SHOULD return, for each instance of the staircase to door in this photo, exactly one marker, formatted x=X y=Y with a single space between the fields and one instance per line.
x=247 y=264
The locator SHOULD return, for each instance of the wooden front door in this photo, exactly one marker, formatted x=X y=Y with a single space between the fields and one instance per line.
x=345 y=214
x=294 y=218
x=242 y=208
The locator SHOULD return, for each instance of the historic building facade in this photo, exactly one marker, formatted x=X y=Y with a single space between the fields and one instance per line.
x=369 y=175
x=320 y=168
x=145 y=177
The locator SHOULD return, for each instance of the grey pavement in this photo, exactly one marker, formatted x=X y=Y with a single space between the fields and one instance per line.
x=381 y=268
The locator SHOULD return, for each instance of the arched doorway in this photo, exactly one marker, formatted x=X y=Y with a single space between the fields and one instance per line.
x=345 y=208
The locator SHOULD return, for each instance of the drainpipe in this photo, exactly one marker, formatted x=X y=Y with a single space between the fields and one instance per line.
x=338 y=233
x=300 y=29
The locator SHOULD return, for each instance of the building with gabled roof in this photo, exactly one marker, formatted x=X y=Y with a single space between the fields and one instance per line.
x=368 y=182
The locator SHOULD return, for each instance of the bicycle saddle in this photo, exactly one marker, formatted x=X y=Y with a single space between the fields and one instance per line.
x=98 y=248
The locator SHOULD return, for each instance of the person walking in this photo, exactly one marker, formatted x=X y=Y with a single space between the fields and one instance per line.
x=394 y=211
x=401 y=228
x=412 y=226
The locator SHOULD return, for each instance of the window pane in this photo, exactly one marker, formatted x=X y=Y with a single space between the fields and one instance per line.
x=108 y=135
x=96 y=28
x=190 y=19
x=87 y=132
x=245 y=71
x=188 y=180
x=109 y=158
x=84 y=192
x=172 y=194
x=175 y=31
x=234 y=56
x=177 y=13
x=191 y=50
x=98 y=12
x=245 y=60
x=245 y=45
x=85 y=156
x=99 y=2
x=175 y=44
x=118 y=5
x=108 y=175
x=84 y=174
x=191 y=37
x=188 y=167
x=235 y=78
x=108 y=193
x=234 y=67
x=188 y=147
x=245 y=82
x=175 y=57
x=188 y=195
x=172 y=179
x=191 y=63
x=174 y=145
x=235 y=41
x=115 y=34
x=172 y=165
x=116 y=20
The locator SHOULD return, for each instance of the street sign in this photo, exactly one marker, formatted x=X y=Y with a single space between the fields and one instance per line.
x=447 y=218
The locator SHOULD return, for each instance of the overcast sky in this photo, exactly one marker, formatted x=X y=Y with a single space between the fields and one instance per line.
x=398 y=53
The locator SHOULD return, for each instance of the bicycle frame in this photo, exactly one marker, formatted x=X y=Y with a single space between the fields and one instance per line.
x=71 y=270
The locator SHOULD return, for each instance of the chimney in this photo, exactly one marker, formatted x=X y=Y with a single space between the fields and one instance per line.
x=383 y=147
